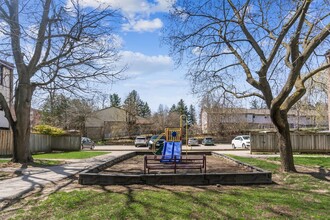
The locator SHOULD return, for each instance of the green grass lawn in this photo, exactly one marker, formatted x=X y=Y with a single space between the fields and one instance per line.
x=237 y=203
x=308 y=161
x=292 y=196
x=70 y=155
x=41 y=158
x=274 y=168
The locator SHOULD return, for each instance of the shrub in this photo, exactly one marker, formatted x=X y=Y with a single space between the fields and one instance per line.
x=47 y=129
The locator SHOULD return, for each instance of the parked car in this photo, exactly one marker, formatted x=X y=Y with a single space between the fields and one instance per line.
x=87 y=143
x=193 y=142
x=141 y=141
x=159 y=143
x=208 y=141
x=242 y=141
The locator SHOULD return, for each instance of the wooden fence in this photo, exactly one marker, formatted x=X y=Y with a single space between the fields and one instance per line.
x=301 y=142
x=40 y=143
x=6 y=142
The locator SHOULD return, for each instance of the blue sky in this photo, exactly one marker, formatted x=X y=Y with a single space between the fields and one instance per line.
x=151 y=71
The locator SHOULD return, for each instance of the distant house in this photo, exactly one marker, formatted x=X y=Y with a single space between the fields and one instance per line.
x=114 y=122
x=213 y=119
x=6 y=89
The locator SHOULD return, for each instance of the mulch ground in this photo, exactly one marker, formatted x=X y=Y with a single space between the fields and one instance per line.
x=214 y=164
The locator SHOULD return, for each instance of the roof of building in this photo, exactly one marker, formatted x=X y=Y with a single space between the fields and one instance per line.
x=256 y=111
x=7 y=64
x=111 y=114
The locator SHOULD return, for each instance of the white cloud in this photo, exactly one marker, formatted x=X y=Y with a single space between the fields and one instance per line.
x=197 y=51
x=137 y=12
x=130 y=6
x=139 y=63
x=117 y=41
x=143 y=25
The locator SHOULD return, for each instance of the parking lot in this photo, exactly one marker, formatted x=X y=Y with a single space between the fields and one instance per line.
x=216 y=147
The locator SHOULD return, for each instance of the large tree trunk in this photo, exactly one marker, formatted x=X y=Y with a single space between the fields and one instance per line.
x=21 y=130
x=280 y=120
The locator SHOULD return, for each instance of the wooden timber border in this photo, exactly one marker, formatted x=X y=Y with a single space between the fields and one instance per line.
x=94 y=177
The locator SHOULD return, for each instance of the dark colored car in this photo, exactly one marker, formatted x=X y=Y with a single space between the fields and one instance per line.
x=159 y=143
x=207 y=141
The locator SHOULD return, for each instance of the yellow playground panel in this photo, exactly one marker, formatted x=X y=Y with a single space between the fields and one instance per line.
x=173 y=134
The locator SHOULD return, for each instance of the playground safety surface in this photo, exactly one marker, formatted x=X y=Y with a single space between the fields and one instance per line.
x=129 y=169
x=134 y=165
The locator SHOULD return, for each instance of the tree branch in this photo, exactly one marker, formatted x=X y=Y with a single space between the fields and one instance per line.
x=7 y=110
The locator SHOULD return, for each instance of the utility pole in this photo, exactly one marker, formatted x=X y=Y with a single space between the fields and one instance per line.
x=327 y=55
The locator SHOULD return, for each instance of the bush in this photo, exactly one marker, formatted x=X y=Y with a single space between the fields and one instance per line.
x=47 y=129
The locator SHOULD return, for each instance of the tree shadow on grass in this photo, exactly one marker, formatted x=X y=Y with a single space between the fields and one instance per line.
x=160 y=204
x=37 y=193
x=322 y=174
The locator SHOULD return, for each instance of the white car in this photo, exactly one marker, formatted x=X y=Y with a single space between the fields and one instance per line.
x=141 y=141
x=193 y=142
x=242 y=141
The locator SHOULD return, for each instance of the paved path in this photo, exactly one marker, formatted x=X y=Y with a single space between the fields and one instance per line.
x=34 y=177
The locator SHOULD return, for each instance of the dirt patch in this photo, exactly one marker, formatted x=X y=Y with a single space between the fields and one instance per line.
x=214 y=164
x=10 y=164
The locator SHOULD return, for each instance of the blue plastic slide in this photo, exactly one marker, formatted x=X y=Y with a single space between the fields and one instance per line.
x=171 y=150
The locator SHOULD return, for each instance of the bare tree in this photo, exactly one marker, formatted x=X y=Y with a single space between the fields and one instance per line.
x=275 y=46
x=56 y=42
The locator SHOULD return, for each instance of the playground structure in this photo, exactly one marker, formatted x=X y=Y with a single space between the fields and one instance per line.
x=173 y=136
x=172 y=146
x=170 y=154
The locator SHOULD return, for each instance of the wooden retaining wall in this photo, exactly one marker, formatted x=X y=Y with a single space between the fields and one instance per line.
x=301 y=142
x=94 y=177
x=40 y=143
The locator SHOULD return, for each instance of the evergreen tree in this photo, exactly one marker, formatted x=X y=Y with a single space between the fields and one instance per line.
x=173 y=108
x=135 y=106
x=115 y=100
x=192 y=115
x=181 y=108
x=145 y=110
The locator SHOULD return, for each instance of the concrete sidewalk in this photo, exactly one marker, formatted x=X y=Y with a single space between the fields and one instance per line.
x=35 y=177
